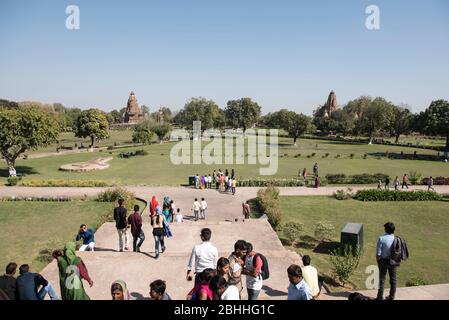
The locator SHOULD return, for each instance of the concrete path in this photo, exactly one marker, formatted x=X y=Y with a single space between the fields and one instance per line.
x=138 y=270
x=432 y=292
x=243 y=193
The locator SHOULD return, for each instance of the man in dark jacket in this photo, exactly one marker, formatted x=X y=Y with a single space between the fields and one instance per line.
x=32 y=286
x=135 y=221
x=121 y=224
x=8 y=284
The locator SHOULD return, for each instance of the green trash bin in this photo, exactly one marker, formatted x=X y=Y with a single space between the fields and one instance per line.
x=191 y=180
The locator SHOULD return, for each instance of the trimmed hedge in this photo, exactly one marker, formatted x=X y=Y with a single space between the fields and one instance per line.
x=439 y=181
x=384 y=195
x=268 y=202
x=64 y=183
x=45 y=199
x=270 y=182
x=364 y=178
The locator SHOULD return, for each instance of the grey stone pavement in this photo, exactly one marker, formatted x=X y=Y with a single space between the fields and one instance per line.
x=138 y=270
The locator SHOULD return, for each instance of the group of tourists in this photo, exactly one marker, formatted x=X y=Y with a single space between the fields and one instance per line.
x=404 y=183
x=223 y=181
x=221 y=278
x=214 y=278
x=316 y=179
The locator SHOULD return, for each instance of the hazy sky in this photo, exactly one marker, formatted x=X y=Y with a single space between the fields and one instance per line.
x=283 y=54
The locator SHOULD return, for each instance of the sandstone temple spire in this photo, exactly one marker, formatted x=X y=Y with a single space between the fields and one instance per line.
x=133 y=113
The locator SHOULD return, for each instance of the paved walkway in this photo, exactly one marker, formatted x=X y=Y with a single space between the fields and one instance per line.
x=139 y=269
x=243 y=193
x=432 y=292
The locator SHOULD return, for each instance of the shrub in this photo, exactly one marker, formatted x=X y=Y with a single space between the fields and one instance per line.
x=13 y=181
x=268 y=203
x=324 y=230
x=326 y=154
x=114 y=194
x=339 y=178
x=313 y=154
x=416 y=281
x=384 y=195
x=414 y=177
x=270 y=182
x=436 y=181
x=351 y=156
x=365 y=156
x=292 y=231
x=364 y=178
x=65 y=183
x=344 y=263
x=343 y=194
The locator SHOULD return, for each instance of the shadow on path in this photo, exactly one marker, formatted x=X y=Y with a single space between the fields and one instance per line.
x=273 y=292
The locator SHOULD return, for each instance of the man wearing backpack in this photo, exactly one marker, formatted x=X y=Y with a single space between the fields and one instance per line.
x=385 y=262
x=256 y=270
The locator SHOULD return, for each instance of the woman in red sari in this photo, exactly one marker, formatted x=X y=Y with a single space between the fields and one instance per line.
x=153 y=204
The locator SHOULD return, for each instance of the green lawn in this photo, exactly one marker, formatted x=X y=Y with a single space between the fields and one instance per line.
x=157 y=169
x=29 y=227
x=425 y=226
x=68 y=139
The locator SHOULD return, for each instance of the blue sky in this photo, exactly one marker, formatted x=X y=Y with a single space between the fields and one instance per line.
x=283 y=54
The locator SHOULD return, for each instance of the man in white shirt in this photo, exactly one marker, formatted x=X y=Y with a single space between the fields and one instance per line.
x=221 y=289
x=310 y=275
x=204 y=255
x=196 y=209
x=178 y=215
x=203 y=209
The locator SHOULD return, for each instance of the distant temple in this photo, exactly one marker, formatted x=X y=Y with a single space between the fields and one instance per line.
x=329 y=107
x=133 y=113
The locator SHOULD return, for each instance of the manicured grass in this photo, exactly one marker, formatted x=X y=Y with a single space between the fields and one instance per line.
x=29 y=227
x=156 y=168
x=425 y=226
x=68 y=139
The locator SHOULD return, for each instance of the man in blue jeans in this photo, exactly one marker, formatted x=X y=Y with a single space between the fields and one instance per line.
x=383 y=254
x=32 y=286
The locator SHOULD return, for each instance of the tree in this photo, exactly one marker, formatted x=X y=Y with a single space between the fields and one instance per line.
x=92 y=123
x=341 y=122
x=242 y=113
x=25 y=128
x=376 y=118
x=200 y=109
x=142 y=132
x=145 y=111
x=161 y=130
x=401 y=122
x=277 y=120
x=296 y=125
x=8 y=104
x=114 y=117
x=436 y=120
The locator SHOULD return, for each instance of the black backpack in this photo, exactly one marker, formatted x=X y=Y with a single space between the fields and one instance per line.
x=399 y=251
x=265 y=271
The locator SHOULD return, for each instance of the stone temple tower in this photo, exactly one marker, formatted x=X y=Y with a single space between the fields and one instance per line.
x=329 y=107
x=133 y=114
